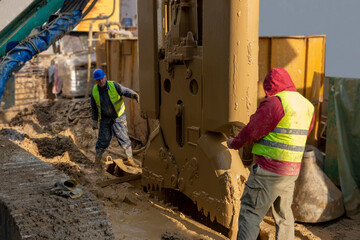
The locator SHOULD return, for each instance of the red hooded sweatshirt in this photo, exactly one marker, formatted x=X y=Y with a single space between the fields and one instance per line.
x=266 y=118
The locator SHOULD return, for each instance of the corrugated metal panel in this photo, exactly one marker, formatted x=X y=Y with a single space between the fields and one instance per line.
x=304 y=58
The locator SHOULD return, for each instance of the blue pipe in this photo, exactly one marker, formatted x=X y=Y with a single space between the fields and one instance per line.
x=26 y=49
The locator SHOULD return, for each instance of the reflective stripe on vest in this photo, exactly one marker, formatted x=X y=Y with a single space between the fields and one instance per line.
x=115 y=98
x=287 y=141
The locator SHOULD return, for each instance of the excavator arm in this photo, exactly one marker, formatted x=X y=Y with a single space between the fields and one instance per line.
x=33 y=30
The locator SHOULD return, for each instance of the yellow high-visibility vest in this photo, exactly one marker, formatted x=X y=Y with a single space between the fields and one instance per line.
x=115 y=98
x=287 y=141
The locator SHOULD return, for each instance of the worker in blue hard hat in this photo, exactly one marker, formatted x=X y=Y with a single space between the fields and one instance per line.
x=108 y=106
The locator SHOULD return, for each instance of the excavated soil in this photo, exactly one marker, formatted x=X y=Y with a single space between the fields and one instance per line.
x=60 y=133
x=29 y=208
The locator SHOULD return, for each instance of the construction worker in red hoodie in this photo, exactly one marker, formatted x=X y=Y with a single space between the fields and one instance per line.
x=279 y=129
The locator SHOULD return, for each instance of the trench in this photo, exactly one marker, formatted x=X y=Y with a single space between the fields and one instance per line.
x=8 y=228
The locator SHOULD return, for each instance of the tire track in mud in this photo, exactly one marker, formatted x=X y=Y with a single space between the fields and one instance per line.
x=28 y=210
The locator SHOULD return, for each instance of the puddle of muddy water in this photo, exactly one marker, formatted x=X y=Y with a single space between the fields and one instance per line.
x=150 y=220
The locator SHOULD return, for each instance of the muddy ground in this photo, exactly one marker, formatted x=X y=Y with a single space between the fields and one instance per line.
x=60 y=134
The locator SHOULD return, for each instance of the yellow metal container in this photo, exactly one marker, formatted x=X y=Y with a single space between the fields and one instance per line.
x=304 y=58
x=102 y=7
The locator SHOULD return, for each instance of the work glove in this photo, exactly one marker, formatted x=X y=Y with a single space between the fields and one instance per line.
x=229 y=141
x=136 y=97
x=94 y=124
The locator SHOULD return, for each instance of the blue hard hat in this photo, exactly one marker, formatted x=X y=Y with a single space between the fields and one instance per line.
x=98 y=74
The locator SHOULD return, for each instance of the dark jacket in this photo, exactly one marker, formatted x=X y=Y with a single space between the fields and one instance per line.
x=107 y=108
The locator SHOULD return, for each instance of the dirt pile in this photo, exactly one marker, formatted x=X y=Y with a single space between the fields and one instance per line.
x=60 y=133
x=52 y=147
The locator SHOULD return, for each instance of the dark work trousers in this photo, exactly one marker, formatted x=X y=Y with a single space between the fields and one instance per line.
x=109 y=127
x=265 y=189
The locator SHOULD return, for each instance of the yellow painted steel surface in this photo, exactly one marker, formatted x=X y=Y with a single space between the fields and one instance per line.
x=230 y=48
x=102 y=7
x=201 y=82
x=304 y=58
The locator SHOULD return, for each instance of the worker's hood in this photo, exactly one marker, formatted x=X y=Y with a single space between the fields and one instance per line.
x=277 y=80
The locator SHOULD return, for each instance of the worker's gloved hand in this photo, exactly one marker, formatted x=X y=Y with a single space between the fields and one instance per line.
x=229 y=141
x=136 y=97
x=94 y=124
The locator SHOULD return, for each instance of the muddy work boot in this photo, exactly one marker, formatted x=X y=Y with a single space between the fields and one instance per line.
x=98 y=162
x=129 y=158
x=131 y=162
